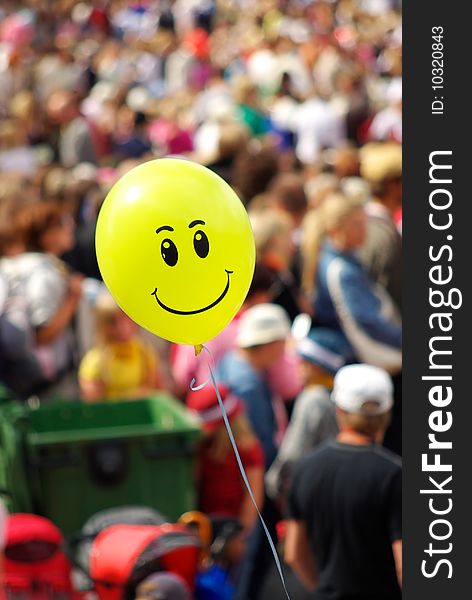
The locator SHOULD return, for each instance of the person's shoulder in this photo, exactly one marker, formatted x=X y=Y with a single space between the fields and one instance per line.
x=145 y=348
x=252 y=455
x=314 y=461
x=233 y=365
x=91 y=363
x=387 y=456
x=313 y=396
x=317 y=455
x=234 y=372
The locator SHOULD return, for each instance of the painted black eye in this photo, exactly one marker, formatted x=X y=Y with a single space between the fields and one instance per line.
x=201 y=244
x=169 y=252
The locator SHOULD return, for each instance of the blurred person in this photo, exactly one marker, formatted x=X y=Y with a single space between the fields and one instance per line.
x=180 y=136
x=16 y=155
x=288 y=192
x=381 y=166
x=120 y=365
x=130 y=140
x=313 y=420
x=351 y=98
x=261 y=338
x=12 y=237
x=345 y=160
x=387 y=123
x=162 y=586
x=54 y=183
x=283 y=377
x=262 y=335
x=231 y=140
x=317 y=126
x=344 y=297
x=218 y=141
x=221 y=489
x=254 y=168
x=20 y=370
x=76 y=140
x=45 y=295
x=356 y=188
x=186 y=365
x=273 y=234
x=215 y=579
x=24 y=107
x=216 y=94
x=319 y=187
x=250 y=110
x=344 y=536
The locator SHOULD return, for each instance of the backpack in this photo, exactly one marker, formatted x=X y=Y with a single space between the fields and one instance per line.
x=35 y=566
x=124 y=555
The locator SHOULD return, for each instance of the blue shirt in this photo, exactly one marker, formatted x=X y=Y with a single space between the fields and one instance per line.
x=252 y=387
x=214 y=584
x=349 y=301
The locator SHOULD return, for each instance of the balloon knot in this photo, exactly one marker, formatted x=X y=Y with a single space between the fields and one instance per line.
x=198 y=349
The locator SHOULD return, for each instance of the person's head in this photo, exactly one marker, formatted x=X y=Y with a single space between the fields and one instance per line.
x=273 y=234
x=262 y=286
x=233 y=137
x=163 y=586
x=47 y=227
x=340 y=219
x=23 y=106
x=112 y=324
x=363 y=395
x=62 y=106
x=346 y=161
x=381 y=166
x=12 y=134
x=12 y=234
x=289 y=195
x=319 y=187
x=253 y=169
x=263 y=331
x=244 y=91
x=345 y=222
x=322 y=353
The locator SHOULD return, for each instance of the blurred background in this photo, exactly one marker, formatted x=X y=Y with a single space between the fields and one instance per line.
x=298 y=106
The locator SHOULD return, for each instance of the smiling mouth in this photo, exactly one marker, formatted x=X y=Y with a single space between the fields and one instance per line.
x=199 y=310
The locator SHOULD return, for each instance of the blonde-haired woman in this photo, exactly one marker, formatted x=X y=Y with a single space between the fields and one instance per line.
x=342 y=294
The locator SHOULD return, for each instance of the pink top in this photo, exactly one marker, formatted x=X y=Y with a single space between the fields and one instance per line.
x=284 y=376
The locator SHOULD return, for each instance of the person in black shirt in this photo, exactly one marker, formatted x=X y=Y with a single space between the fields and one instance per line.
x=344 y=535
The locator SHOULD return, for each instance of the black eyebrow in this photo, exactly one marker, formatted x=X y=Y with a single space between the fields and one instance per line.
x=164 y=228
x=196 y=222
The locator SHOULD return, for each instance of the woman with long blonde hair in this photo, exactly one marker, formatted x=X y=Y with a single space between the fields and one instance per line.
x=341 y=292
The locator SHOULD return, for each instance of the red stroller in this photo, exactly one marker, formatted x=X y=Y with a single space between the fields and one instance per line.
x=123 y=555
x=35 y=566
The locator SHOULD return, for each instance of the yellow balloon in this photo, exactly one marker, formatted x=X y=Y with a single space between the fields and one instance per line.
x=176 y=249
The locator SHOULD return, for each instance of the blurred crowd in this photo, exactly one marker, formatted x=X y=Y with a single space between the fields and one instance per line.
x=297 y=104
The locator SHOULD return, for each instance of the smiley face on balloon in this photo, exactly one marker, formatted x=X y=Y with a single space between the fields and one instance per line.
x=176 y=249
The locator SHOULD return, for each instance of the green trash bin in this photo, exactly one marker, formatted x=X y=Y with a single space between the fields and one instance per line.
x=14 y=482
x=87 y=457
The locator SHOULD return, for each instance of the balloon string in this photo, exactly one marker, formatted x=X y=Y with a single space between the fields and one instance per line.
x=195 y=388
x=240 y=465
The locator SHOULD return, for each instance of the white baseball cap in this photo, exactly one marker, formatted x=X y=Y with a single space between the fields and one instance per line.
x=359 y=388
x=262 y=324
